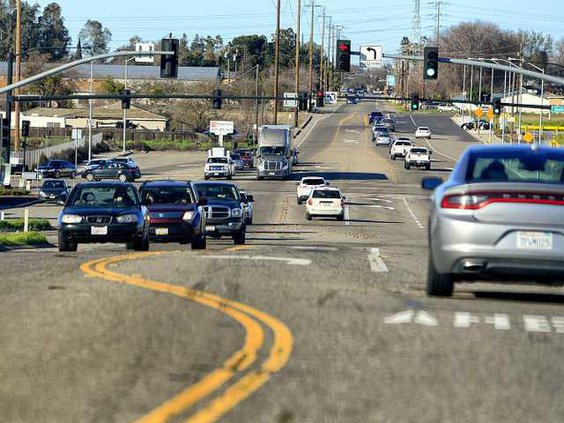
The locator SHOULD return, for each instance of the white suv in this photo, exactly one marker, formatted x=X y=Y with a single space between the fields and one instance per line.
x=399 y=148
x=423 y=132
x=418 y=157
x=307 y=184
x=325 y=201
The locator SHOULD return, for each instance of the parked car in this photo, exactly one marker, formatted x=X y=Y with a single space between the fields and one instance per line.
x=248 y=203
x=100 y=212
x=111 y=170
x=327 y=202
x=498 y=217
x=57 y=169
x=446 y=107
x=307 y=184
x=176 y=212
x=129 y=161
x=389 y=123
x=54 y=190
x=423 y=132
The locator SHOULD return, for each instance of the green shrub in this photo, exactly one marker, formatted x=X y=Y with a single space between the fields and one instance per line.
x=13 y=192
x=18 y=225
x=22 y=238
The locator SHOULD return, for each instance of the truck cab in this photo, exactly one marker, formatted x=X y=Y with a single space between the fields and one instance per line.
x=274 y=152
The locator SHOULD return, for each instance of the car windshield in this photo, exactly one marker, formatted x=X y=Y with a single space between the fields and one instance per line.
x=104 y=196
x=167 y=195
x=53 y=185
x=333 y=193
x=217 y=160
x=272 y=150
x=235 y=157
x=418 y=150
x=516 y=166
x=384 y=132
x=403 y=143
x=313 y=181
x=226 y=192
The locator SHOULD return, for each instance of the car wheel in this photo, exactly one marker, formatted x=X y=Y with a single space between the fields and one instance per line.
x=407 y=166
x=393 y=157
x=57 y=174
x=122 y=177
x=308 y=216
x=199 y=243
x=298 y=201
x=240 y=237
x=206 y=178
x=65 y=245
x=438 y=284
x=428 y=167
x=141 y=244
x=259 y=178
x=341 y=217
x=73 y=175
x=89 y=177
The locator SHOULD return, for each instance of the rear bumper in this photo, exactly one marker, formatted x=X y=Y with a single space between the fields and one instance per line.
x=314 y=211
x=179 y=231
x=217 y=174
x=81 y=233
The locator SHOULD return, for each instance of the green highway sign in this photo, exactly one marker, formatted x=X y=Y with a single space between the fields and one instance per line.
x=557 y=109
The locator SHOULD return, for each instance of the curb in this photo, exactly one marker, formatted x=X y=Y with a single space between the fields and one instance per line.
x=299 y=131
x=18 y=206
x=28 y=247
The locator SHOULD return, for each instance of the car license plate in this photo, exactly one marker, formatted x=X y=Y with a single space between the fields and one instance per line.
x=215 y=174
x=210 y=228
x=99 y=230
x=161 y=231
x=534 y=240
x=272 y=173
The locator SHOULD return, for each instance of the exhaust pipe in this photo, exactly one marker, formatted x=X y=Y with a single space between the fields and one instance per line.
x=473 y=266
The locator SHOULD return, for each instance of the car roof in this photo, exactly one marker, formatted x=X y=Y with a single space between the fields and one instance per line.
x=105 y=184
x=313 y=177
x=166 y=182
x=218 y=183
x=326 y=189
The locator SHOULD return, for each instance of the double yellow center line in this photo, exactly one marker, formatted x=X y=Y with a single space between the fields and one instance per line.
x=243 y=363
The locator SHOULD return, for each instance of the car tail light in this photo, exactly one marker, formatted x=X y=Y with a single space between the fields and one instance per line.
x=478 y=200
x=310 y=202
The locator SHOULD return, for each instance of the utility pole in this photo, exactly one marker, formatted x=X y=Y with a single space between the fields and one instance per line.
x=255 y=132
x=276 y=61
x=298 y=45
x=328 y=62
x=310 y=81
x=438 y=23
x=18 y=73
x=322 y=56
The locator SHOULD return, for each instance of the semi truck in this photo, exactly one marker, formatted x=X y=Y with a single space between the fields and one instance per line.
x=274 y=152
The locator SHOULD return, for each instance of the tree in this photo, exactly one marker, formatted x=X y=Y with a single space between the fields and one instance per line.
x=110 y=86
x=53 y=35
x=253 y=48
x=95 y=37
x=30 y=29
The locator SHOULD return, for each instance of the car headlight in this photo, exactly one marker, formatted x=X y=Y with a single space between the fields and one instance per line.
x=71 y=218
x=285 y=165
x=237 y=212
x=188 y=215
x=42 y=194
x=127 y=218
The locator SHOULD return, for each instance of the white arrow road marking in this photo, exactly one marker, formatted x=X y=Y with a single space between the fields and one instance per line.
x=409 y=316
x=380 y=199
x=289 y=261
x=376 y=262
x=374 y=206
x=424 y=318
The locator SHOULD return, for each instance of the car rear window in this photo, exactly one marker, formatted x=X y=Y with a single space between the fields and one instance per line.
x=403 y=143
x=53 y=184
x=418 y=150
x=226 y=192
x=326 y=194
x=316 y=181
x=423 y=128
x=217 y=160
x=517 y=166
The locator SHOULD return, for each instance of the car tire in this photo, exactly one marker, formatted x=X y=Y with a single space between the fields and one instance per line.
x=240 y=237
x=407 y=166
x=230 y=177
x=73 y=175
x=298 y=201
x=206 y=178
x=65 y=245
x=199 y=243
x=393 y=157
x=308 y=216
x=122 y=177
x=249 y=221
x=89 y=177
x=259 y=178
x=428 y=167
x=438 y=284
x=141 y=244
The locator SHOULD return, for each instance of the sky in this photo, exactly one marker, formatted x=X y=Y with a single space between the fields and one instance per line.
x=365 y=22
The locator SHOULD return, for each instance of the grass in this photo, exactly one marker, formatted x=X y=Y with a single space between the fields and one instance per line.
x=22 y=238
x=41 y=142
x=183 y=145
x=13 y=192
x=18 y=225
x=533 y=119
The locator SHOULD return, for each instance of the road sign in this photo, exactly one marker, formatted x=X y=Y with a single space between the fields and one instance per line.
x=479 y=112
x=290 y=100
x=145 y=47
x=221 y=127
x=30 y=176
x=76 y=134
x=557 y=109
x=528 y=137
x=371 y=56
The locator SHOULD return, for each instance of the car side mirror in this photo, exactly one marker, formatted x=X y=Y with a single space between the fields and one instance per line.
x=250 y=199
x=202 y=201
x=298 y=183
x=431 y=182
x=60 y=202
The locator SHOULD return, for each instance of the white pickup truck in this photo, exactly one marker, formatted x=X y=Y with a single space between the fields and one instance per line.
x=418 y=157
x=399 y=148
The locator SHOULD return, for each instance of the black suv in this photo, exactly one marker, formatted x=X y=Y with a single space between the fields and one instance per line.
x=175 y=212
x=225 y=212
x=99 y=212
x=56 y=169
x=112 y=170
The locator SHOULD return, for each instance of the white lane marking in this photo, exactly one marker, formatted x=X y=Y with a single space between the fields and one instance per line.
x=350 y=141
x=374 y=206
x=413 y=121
x=380 y=199
x=425 y=319
x=315 y=248
x=558 y=323
x=536 y=323
x=376 y=262
x=347 y=216
x=500 y=321
x=440 y=153
x=463 y=319
x=289 y=261
x=313 y=126
x=419 y=224
x=409 y=316
x=354 y=131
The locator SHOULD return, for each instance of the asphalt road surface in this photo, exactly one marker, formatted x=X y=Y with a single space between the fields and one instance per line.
x=319 y=321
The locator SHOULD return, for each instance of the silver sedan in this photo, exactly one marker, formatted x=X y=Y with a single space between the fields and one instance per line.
x=500 y=216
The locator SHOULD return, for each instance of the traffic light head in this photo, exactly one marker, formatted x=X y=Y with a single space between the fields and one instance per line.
x=169 y=62
x=344 y=55
x=496 y=106
x=217 y=100
x=320 y=98
x=414 y=102
x=431 y=62
x=126 y=100
x=25 y=128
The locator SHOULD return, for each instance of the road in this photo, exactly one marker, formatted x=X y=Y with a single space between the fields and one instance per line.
x=318 y=321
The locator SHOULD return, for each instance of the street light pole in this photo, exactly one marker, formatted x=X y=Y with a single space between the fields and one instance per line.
x=125 y=110
x=90 y=113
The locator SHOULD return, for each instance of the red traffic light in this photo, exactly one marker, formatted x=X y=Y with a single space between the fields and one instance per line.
x=344 y=47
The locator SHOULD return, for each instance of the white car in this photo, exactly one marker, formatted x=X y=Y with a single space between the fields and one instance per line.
x=325 y=201
x=307 y=184
x=219 y=167
x=399 y=148
x=418 y=157
x=423 y=132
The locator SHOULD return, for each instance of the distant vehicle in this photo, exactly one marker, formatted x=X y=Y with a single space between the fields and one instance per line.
x=418 y=157
x=225 y=214
x=373 y=115
x=237 y=161
x=95 y=163
x=175 y=212
x=383 y=137
x=307 y=184
x=423 y=132
x=57 y=169
x=248 y=203
x=473 y=124
x=111 y=170
x=54 y=190
x=352 y=100
x=219 y=167
x=100 y=212
x=399 y=148
x=498 y=218
x=389 y=123
x=446 y=107
x=246 y=156
x=326 y=202
x=274 y=152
